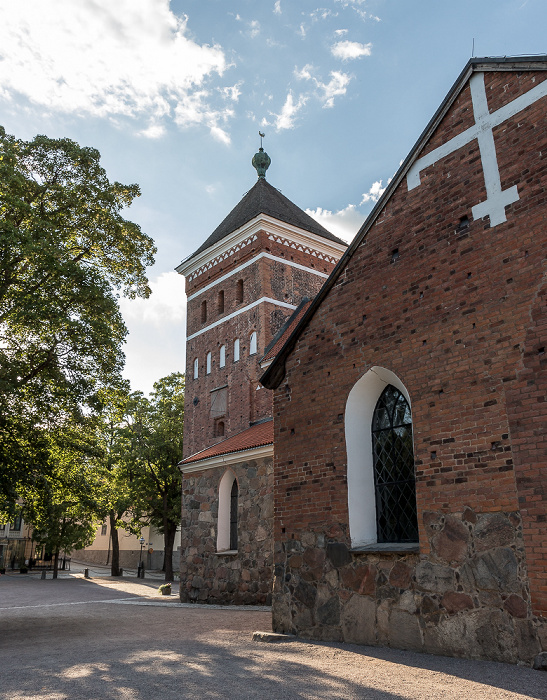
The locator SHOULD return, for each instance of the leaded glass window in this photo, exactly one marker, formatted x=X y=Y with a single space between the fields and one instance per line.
x=233 y=516
x=394 y=479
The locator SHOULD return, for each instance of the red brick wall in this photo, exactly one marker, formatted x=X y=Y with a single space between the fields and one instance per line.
x=460 y=319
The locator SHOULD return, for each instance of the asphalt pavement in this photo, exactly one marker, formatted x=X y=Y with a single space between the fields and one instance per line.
x=101 y=638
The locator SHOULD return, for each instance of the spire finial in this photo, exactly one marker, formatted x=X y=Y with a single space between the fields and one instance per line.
x=261 y=160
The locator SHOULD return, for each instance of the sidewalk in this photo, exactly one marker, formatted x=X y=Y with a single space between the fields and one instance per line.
x=95 y=571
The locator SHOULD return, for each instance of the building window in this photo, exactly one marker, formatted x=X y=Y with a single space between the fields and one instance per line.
x=196 y=368
x=394 y=480
x=219 y=402
x=252 y=344
x=208 y=363
x=227 y=512
x=219 y=428
x=103 y=529
x=222 y=356
x=16 y=526
x=380 y=462
x=239 y=291
x=236 y=349
x=233 y=516
x=203 y=311
x=220 y=302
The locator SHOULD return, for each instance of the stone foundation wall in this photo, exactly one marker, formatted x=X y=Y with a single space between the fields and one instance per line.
x=243 y=577
x=469 y=596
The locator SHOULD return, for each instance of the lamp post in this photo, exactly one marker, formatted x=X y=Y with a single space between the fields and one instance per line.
x=139 y=570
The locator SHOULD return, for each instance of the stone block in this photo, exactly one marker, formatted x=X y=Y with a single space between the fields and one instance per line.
x=331 y=577
x=528 y=645
x=407 y=602
x=494 y=570
x=400 y=575
x=450 y=544
x=281 y=615
x=358 y=619
x=540 y=662
x=434 y=577
x=493 y=530
x=404 y=631
x=516 y=606
x=368 y=580
x=338 y=554
x=306 y=593
x=456 y=602
x=329 y=613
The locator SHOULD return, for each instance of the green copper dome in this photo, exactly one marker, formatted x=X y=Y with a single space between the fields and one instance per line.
x=261 y=162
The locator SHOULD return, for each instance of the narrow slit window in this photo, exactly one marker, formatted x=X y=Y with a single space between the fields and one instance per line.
x=196 y=368
x=236 y=350
x=253 y=344
x=222 y=356
x=239 y=291
x=203 y=311
x=220 y=302
x=208 y=363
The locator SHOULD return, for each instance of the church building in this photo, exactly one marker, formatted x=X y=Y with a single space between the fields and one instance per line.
x=243 y=284
x=410 y=399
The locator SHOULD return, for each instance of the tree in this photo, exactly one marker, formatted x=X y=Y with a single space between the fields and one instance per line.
x=66 y=253
x=65 y=507
x=155 y=431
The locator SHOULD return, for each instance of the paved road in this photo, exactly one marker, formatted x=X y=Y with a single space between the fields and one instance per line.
x=76 y=639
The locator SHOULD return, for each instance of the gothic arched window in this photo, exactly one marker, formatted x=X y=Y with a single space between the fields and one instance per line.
x=394 y=480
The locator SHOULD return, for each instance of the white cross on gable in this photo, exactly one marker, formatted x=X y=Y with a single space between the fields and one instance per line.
x=496 y=198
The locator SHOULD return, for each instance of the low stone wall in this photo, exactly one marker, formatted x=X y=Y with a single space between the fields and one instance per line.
x=243 y=577
x=465 y=595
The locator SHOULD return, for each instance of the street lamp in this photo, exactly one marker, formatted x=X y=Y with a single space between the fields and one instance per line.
x=141 y=542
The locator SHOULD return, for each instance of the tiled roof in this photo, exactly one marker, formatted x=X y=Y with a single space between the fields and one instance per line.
x=285 y=331
x=255 y=436
x=263 y=198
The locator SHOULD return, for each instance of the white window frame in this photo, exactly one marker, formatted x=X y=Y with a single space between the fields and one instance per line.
x=196 y=368
x=236 y=350
x=253 y=343
x=222 y=356
x=208 y=362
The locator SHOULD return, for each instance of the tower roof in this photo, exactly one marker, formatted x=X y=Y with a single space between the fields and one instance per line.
x=263 y=198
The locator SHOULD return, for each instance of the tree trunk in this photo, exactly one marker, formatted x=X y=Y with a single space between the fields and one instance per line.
x=55 y=563
x=169 y=539
x=115 y=565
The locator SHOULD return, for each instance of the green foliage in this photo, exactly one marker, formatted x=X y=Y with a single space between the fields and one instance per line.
x=63 y=508
x=66 y=253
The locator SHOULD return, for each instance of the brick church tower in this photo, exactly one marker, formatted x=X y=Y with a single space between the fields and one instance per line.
x=243 y=285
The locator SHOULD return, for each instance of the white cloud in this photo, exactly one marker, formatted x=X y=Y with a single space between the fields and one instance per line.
x=285 y=119
x=166 y=304
x=326 y=92
x=344 y=223
x=302 y=31
x=130 y=58
x=154 y=131
x=277 y=7
x=232 y=92
x=156 y=343
x=347 y=50
x=340 y=32
x=337 y=85
x=375 y=192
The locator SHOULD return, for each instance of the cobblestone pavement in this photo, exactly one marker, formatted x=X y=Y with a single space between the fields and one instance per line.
x=104 y=638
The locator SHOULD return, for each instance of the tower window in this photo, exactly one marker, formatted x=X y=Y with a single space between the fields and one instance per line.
x=203 y=311
x=253 y=344
x=196 y=368
x=239 y=291
x=208 y=363
x=220 y=428
x=222 y=356
x=220 y=302
x=236 y=349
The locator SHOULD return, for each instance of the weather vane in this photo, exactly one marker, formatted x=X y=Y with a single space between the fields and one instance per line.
x=261 y=160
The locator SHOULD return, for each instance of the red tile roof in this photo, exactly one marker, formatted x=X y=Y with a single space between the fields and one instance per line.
x=291 y=325
x=255 y=436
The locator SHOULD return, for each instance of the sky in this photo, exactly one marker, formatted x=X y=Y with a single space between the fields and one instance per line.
x=173 y=95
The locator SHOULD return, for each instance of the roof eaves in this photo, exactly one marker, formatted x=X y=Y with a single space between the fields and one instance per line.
x=275 y=373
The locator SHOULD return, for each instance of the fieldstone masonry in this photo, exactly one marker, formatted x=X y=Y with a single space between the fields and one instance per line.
x=244 y=577
x=469 y=595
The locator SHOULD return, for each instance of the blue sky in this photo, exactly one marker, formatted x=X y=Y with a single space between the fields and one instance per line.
x=173 y=95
